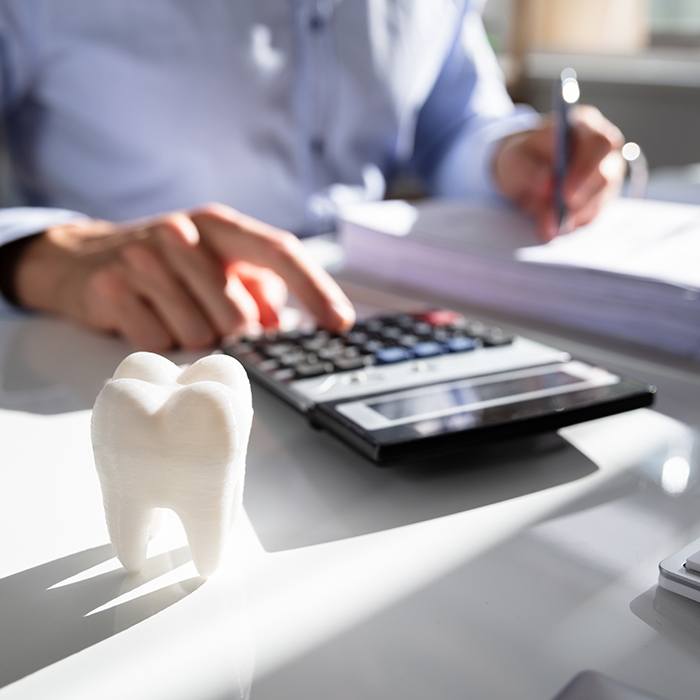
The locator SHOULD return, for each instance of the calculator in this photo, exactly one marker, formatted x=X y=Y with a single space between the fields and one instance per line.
x=412 y=385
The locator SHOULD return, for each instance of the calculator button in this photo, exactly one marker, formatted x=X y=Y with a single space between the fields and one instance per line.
x=344 y=364
x=423 y=329
x=428 y=349
x=495 y=337
x=331 y=352
x=291 y=359
x=461 y=344
x=408 y=341
x=391 y=333
x=252 y=358
x=404 y=320
x=276 y=350
x=357 y=338
x=373 y=346
x=458 y=324
x=268 y=365
x=284 y=375
x=314 y=344
x=241 y=348
x=306 y=370
x=440 y=317
x=441 y=335
x=390 y=355
x=475 y=328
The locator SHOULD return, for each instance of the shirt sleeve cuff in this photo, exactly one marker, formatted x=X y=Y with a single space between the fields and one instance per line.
x=17 y=222
x=466 y=171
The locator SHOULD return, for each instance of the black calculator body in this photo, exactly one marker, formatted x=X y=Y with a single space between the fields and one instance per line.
x=410 y=385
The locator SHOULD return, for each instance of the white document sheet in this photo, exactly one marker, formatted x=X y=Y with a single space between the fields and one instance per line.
x=654 y=240
x=633 y=274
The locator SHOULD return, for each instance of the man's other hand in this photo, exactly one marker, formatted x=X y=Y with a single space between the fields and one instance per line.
x=524 y=166
x=182 y=279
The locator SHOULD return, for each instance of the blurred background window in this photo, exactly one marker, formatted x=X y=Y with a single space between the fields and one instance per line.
x=675 y=22
x=638 y=61
x=601 y=23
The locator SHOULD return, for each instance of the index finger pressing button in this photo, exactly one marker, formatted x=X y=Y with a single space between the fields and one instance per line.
x=235 y=236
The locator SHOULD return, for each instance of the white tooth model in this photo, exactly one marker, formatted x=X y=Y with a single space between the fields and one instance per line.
x=170 y=438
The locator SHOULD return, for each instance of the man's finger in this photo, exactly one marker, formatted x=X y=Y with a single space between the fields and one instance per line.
x=594 y=138
x=541 y=141
x=522 y=168
x=203 y=274
x=234 y=237
x=140 y=325
x=150 y=276
x=592 y=208
x=593 y=185
x=245 y=305
x=602 y=185
x=267 y=288
x=607 y=177
x=113 y=305
x=546 y=222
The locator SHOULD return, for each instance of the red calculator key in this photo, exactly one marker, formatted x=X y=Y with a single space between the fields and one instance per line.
x=440 y=317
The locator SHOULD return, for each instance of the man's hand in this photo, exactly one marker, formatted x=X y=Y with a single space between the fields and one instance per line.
x=524 y=162
x=183 y=279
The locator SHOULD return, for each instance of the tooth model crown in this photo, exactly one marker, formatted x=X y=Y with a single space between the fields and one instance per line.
x=170 y=438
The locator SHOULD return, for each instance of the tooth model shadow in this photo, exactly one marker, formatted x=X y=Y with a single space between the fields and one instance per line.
x=170 y=438
x=44 y=623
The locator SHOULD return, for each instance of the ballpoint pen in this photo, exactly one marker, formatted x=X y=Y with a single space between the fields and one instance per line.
x=565 y=94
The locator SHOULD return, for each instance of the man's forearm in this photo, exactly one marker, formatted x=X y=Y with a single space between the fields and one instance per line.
x=42 y=272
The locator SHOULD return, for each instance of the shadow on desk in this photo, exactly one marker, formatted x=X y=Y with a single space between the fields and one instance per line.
x=671 y=615
x=45 y=620
x=49 y=366
x=304 y=487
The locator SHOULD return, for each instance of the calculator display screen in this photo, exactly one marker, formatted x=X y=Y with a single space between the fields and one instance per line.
x=463 y=394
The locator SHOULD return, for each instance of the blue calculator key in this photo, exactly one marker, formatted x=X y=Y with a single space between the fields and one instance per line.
x=429 y=348
x=461 y=344
x=387 y=356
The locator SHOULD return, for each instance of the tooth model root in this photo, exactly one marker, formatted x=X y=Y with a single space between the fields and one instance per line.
x=206 y=538
x=165 y=438
x=129 y=526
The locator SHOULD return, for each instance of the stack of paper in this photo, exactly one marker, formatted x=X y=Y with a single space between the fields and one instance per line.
x=632 y=274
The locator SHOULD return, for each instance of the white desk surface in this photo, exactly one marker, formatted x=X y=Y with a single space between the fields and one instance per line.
x=499 y=575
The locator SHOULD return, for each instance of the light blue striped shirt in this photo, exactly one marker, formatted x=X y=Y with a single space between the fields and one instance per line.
x=281 y=108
